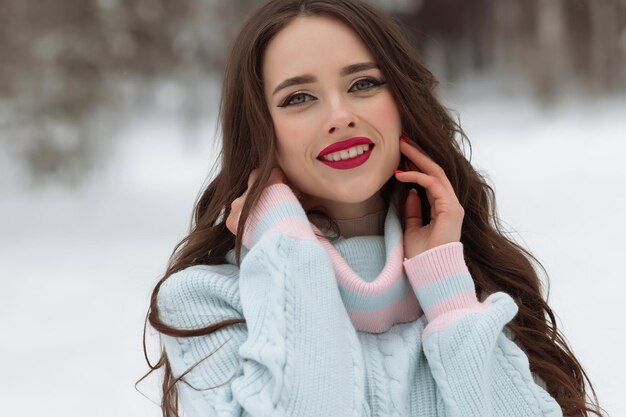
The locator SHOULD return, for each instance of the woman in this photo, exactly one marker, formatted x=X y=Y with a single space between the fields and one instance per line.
x=315 y=281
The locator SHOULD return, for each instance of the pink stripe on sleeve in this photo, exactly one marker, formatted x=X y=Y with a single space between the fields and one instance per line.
x=435 y=265
x=458 y=302
x=293 y=227
x=268 y=209
x=446 y=320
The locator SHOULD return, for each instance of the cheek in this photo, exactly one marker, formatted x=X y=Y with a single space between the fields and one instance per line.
x=291 y=155
x=290 y=138
x=386 y=119
x=387 y=115
x=283 y=130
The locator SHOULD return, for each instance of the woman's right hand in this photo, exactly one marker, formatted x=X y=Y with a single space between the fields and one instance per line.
x=277 y=176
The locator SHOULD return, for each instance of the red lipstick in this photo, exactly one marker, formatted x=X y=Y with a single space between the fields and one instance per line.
x=346 y=144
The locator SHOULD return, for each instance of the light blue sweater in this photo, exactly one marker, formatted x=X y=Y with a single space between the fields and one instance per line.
x=343 y=329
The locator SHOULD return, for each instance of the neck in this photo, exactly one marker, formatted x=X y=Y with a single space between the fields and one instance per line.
x=353 y=219
x=371 y=224
x=339 y=210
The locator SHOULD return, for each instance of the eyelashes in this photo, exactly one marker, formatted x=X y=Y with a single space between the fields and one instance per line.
x=372 y=81
x=296 y=100
x=364 y=84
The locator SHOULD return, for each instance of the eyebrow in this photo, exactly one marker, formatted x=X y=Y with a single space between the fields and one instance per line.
x=308 y=79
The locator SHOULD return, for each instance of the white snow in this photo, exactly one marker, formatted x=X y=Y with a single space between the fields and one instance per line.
x=77 y=268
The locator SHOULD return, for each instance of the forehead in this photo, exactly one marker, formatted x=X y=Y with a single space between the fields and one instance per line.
x=312 y=45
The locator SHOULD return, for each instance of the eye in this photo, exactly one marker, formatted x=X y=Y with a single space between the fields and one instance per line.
x=296 y=100
x=365 y=84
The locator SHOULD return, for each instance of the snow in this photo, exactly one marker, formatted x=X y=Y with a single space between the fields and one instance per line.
x=77 y=267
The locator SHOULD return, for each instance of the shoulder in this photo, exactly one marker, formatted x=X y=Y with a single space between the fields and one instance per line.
x=200 y=295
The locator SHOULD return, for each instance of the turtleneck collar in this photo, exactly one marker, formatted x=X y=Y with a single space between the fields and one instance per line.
x=370 y=276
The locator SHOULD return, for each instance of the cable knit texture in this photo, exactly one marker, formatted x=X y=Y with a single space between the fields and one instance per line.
x=343 y=329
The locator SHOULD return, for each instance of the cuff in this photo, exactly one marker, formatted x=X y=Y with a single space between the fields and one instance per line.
x=277 y=209
x=441 y=280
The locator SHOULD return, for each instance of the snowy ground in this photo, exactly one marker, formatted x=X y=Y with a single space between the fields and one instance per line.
x=76 y=268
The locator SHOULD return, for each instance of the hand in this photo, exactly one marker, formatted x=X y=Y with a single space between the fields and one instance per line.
x=277 y=176
x=446 y=213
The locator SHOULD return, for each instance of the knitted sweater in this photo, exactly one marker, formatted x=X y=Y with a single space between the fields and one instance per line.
x=338 y=330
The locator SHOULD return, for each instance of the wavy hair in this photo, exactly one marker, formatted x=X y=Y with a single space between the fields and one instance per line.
x=495 y=261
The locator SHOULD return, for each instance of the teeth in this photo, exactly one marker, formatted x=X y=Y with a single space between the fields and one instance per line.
x=346 y=153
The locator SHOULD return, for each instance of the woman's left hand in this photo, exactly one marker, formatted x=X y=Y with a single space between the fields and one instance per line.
x=446 y=213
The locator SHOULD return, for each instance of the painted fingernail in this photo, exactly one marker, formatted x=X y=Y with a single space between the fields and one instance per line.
x=404 y=138
x=397 y=171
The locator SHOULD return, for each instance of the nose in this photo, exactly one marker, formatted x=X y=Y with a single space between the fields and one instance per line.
x=341 y=117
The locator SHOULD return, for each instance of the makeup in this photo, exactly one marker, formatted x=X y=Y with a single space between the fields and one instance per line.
x=347 y=154
x=350 y=163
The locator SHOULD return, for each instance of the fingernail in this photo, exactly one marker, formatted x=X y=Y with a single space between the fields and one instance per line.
x=397 y=171
x=404 y=138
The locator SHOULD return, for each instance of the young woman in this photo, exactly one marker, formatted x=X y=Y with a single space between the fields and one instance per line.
x=347 y=259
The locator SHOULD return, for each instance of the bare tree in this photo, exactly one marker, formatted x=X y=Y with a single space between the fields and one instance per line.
x=71 y=73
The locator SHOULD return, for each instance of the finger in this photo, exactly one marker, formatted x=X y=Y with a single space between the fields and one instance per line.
x=424 y=163
x=277 y=176
x=413 y=210
x=434 y=189
x=231 y=222
x=252 y=177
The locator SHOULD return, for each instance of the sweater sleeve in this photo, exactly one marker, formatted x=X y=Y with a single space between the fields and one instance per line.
x=296 y=355
x=478 y=370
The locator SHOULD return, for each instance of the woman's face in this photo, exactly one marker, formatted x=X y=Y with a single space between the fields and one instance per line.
x=323 y=87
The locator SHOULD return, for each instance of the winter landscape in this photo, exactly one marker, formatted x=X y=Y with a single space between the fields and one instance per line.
x=78 y=266
x=108 y=132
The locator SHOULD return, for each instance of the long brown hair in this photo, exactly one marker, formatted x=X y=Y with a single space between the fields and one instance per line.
x=495 y=261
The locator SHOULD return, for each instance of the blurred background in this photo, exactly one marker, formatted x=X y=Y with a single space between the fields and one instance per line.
x=108 y=131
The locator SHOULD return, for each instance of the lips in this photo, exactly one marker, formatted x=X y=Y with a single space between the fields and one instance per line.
x=345 y=144
x=350 y=163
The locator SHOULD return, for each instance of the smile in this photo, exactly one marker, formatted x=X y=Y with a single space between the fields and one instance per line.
x=348 y=158
x=346 y=153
